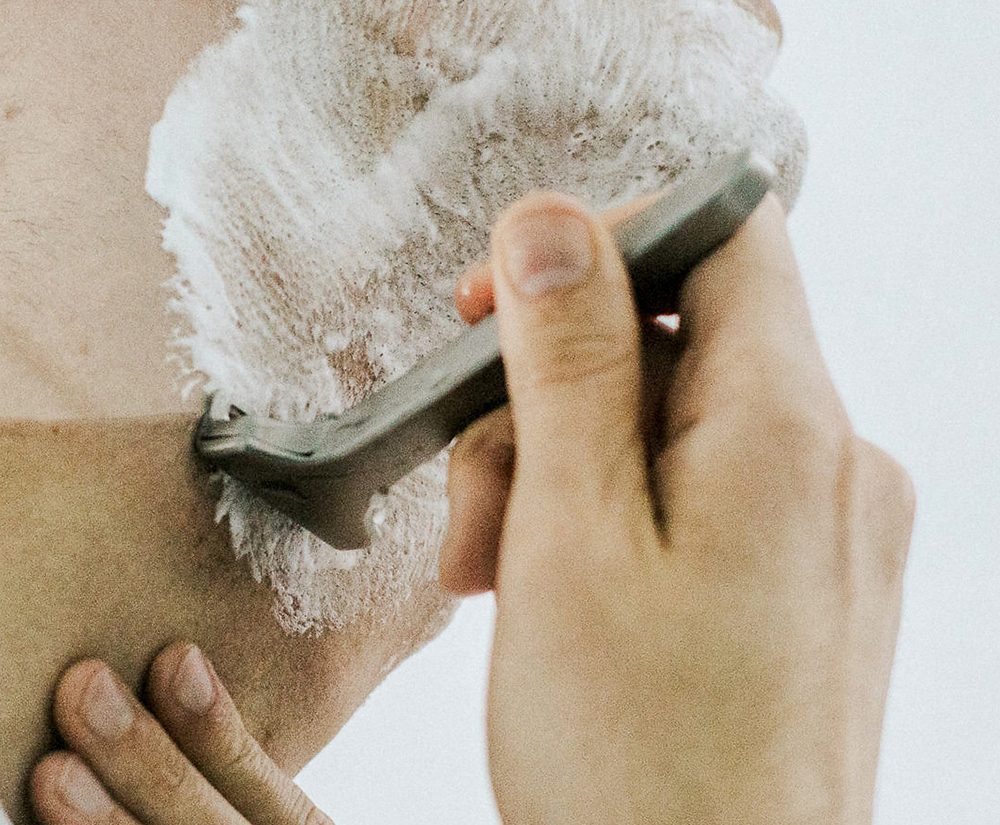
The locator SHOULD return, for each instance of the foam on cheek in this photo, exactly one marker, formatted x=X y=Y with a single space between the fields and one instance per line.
x=332 y=167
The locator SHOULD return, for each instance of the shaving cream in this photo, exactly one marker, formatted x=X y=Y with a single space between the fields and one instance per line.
x=331 y=167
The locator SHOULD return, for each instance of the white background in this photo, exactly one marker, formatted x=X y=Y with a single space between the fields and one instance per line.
x=897 y=232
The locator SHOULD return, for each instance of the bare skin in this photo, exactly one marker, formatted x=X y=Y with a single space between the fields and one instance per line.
x=112 y=550
x=82 y=264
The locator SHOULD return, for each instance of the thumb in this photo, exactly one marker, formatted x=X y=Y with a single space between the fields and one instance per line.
x=569 y=336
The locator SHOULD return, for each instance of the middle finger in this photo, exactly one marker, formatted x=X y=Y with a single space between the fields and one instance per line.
x=130 y=753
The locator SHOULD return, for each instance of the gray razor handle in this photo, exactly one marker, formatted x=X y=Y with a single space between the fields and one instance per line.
x=323 y=473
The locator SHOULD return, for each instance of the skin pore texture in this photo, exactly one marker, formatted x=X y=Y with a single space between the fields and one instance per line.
x=110 y=546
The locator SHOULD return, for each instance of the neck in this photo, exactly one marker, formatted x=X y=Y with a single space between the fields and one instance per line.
x=110 y=547
x=111 y=550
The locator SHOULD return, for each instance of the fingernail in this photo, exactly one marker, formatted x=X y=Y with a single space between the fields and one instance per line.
x=193 y=685
x=106 y=710
x=547 y=250
x=82 y=792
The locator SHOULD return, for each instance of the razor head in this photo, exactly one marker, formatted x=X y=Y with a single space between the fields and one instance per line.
x=323 y=474
x=278 y=461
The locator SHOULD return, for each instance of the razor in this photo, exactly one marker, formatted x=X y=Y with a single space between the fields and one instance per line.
x=323 y=473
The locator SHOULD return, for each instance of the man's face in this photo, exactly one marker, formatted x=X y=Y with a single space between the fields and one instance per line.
x=331 y=169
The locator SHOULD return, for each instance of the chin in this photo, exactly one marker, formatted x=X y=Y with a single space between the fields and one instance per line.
x=423 y=621
x=391 y=583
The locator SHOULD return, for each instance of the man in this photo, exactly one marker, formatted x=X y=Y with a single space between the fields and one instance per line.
x=111 y=546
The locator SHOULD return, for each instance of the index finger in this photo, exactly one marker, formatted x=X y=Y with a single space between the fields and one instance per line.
x=748 y=331
x=199 y=714
x=749 y=288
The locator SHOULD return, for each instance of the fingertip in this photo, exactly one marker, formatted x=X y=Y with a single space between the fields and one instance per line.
x=474 y=294
x=464 y=572
x=70 y=689
x=163 y=668
x=183 y=684
x=528 y=229
x=463 y=291
x=467 y=564
x=43 y=784
x=480 y=470
x=62 y=788
x=458 y=572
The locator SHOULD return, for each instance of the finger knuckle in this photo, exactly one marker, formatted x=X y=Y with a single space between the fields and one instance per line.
x=303 y=812
x=896 y=480
x=174 y=774
x=242 y=756
x=892 y=501
x=817 y=432
x=577 y=353
x=483 y=441
x=807 y=434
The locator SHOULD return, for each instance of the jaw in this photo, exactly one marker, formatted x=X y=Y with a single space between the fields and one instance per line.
x=338 y=672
